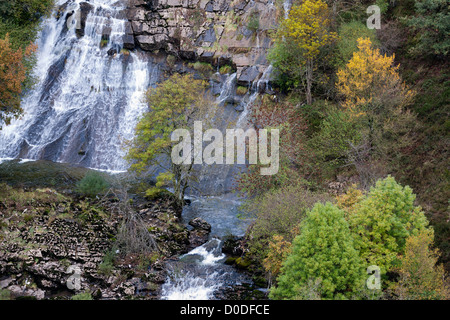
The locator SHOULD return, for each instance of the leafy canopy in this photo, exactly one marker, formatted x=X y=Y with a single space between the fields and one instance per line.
x=371 y=82
x=323 y=251
x=308 y=27
x=13 y=73
x=421 y=278
x=383 y=220
x=173 y=104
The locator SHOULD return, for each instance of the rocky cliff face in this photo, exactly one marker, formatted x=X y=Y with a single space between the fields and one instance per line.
x=219 y=32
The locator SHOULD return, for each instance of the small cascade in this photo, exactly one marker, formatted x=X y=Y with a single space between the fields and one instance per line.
x=200 y=273
x=228 y=89
x=196 y=275
x=287 y=4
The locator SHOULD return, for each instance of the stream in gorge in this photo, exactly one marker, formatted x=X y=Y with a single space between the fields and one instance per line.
x=86 y=103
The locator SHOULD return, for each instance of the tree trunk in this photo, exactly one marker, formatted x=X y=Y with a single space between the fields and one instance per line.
x=309 y=77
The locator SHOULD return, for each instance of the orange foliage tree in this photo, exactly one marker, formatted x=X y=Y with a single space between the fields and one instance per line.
x=13 y=73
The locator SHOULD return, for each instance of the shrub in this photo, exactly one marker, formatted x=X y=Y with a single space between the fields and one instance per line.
x=226 y=69
x=420 y=276
x=280 y=212
x=253 y=22
x=107 y=264
x=204 y=68
x=82 y=296
x=348 y=40
x=171 y=60
x=92 y=184
x=5 y=294
x=337 y=131
x=240 y=90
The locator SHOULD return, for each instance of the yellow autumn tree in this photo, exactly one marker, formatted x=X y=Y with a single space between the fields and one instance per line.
x=348 y=201
x=13 y=73
x=308 y=27
x=421 y=278
x=371 y=82
x=279 y=249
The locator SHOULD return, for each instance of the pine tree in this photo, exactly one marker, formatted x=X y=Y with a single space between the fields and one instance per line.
x=383 y=220
x=322 y=252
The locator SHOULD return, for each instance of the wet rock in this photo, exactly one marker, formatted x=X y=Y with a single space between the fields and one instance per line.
x=128 y=42
x=200 y=234
x=197 y=238
x=85 y=9
x=242 y=263
x=232 y=246
x=199 y=223
x=110 y=52
x=239 y=108
x=248 y=75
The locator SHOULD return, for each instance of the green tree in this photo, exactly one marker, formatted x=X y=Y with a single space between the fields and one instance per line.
x=323 y=251
x=347 y=42
x=383 y=220
x=173 y=104
x=25 y=11
x=92 y=184
x=432 y=23
x=332 y=143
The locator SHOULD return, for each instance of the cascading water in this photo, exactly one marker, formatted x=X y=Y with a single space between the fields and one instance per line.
x=200 y=273
x=88 y=97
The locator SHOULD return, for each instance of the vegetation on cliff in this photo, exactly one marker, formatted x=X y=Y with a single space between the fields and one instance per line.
x=364 y=124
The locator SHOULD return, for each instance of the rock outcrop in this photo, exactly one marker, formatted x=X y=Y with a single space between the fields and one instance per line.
x=52 y=244
x=214 y=31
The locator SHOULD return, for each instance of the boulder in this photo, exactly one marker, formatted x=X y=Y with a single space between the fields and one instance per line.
x=199 y=223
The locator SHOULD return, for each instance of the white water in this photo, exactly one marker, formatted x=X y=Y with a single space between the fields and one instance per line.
x=199 y=283
x=86 y=103
x=198 y=274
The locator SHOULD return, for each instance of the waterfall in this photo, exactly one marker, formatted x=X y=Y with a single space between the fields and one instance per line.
x=88 y=95
x=228 y=89
x=287 y=4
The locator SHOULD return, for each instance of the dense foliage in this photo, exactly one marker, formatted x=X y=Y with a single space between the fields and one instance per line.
x=379 y=110
x=173 y=104
x=19 y=21
x=324 y=251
